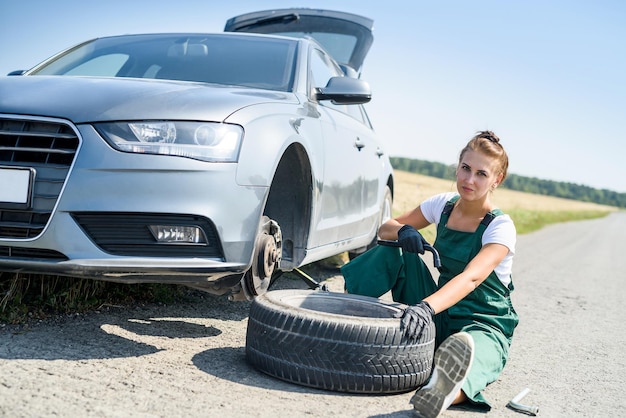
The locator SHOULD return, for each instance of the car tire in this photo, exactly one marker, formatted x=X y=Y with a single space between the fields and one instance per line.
x=336 y=341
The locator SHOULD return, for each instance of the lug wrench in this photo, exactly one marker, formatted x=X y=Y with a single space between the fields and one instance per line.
x=517 y=406
x=427 y=247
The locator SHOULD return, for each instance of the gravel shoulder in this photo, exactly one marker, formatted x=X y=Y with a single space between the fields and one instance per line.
x=188 y=359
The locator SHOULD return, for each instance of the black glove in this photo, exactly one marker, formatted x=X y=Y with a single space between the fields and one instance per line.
x=411 y=240
x=415 y=318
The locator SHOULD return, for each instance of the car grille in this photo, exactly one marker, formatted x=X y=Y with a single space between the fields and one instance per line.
x=31 y=253
x=47 y=146
x=128 y=234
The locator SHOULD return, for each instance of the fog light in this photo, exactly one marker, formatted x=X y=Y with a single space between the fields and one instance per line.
x=173 y=234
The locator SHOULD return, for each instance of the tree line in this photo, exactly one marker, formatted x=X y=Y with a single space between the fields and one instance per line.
x=520 y=183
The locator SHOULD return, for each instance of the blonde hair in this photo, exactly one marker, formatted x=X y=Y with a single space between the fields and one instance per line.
x=488 y=143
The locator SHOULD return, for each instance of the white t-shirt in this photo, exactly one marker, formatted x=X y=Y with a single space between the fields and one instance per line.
x=500 y=231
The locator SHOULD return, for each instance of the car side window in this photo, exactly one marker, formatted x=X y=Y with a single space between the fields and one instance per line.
x=322 y=69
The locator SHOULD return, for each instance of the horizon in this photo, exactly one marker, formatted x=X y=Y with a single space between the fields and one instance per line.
x=510 y=174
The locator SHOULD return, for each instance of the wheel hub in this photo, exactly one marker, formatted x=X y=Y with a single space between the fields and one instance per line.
x=266 y=259
x=267 y=256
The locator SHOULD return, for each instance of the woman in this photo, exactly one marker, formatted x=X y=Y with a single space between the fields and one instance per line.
x=470 y=303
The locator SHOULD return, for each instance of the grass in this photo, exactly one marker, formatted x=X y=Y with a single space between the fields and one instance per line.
x=528 y=221
x=25 y=297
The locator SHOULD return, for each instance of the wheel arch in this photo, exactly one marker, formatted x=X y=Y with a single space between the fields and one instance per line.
x=391 y=185
x=289 y=203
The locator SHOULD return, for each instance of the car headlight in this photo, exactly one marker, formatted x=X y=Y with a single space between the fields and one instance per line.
x=206 y=141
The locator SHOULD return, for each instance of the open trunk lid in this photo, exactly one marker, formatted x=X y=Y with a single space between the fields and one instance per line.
x=346 y=36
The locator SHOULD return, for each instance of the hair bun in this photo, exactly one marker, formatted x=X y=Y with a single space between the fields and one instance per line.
x=489 y=135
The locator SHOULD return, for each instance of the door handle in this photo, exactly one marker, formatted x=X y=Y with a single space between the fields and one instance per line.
x=359 y=144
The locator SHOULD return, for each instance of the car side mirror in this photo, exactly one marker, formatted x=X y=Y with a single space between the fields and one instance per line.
x=345 y=90
x=349 y=71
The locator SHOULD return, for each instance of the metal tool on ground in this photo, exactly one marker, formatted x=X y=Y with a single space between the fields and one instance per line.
x=310 y=281
x=517 y=406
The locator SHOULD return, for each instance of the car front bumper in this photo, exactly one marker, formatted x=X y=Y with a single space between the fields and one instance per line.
x=98 y=219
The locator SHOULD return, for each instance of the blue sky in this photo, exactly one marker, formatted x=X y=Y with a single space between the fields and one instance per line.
x=547 y=76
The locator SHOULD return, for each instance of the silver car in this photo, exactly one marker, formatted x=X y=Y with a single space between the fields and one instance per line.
x=215 y=161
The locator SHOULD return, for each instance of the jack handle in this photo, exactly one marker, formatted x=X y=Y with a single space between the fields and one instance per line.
x=427 y=247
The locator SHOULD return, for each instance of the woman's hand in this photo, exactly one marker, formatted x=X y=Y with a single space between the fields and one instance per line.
x=411 y=240
x=415 y=318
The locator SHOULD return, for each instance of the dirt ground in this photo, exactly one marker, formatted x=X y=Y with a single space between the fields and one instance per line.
x=189 y=360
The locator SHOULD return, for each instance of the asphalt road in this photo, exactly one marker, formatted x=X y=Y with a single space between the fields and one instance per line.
x=189 y=360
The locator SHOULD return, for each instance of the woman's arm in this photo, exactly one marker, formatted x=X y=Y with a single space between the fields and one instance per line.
x=474 y=274
x=415 y=218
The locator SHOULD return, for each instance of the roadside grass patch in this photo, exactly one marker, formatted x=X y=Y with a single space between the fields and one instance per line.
x=26 y=297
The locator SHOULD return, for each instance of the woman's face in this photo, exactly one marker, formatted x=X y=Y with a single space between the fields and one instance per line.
x=476 y=175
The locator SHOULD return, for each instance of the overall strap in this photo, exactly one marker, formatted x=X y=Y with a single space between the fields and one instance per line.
x=447 y=209
x=487 y=219
x=445 y=214
x=490 y=216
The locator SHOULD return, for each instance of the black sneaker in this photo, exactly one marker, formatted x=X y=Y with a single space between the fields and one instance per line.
x=453 y=360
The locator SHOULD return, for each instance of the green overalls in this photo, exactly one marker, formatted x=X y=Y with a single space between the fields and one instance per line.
x=486 y=313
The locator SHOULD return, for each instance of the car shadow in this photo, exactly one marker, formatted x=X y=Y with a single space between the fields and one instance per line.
x=117 y=332
x=93 y=340
x=126 y=332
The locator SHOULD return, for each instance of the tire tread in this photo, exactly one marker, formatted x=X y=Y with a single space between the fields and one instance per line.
x=334 y=352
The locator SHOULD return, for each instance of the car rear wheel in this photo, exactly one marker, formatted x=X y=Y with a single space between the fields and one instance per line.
x=336 y=341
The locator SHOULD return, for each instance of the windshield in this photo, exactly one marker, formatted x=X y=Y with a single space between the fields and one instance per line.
x=251 y=61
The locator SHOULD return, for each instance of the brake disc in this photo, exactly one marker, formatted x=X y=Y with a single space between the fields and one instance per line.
x=266 y=258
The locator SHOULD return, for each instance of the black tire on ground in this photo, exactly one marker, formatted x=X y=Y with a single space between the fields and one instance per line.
x=336 y=341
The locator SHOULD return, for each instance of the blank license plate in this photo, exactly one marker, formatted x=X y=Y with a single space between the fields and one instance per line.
x=15 y=185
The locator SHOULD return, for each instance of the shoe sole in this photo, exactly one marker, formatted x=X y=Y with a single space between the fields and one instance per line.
x=452 y=362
